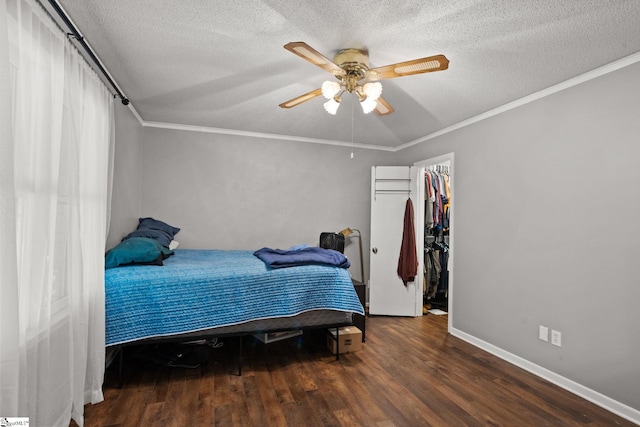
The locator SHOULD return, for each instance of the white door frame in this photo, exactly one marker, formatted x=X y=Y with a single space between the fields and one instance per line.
x=421 y=166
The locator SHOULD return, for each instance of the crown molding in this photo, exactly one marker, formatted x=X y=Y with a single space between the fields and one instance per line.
x=235 y=132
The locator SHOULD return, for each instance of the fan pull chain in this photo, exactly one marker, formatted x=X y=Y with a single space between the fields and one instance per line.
x=352 y=130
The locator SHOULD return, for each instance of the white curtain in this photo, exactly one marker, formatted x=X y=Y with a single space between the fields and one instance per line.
x=56 y=124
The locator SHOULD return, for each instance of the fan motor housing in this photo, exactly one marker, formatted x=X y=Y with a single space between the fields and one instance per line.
x=353 y=60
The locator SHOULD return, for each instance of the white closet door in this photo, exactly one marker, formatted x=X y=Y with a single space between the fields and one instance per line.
x=391 y=186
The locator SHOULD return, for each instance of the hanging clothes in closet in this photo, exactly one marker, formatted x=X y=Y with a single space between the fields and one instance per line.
x=436 y=250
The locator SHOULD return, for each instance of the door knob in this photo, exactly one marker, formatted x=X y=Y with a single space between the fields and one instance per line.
x=374 y=250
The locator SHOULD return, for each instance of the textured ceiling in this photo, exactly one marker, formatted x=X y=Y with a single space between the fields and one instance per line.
x=221 y=64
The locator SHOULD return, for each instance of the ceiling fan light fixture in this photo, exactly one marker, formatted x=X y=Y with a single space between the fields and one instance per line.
x=332 y=105
x=351 y=68
x=373 y=90
x=368 y=105
x=330 y=89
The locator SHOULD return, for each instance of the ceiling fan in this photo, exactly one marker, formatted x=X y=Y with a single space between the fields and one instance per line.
x=351 y=69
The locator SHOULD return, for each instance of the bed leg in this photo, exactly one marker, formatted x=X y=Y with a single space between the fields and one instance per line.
x=337 y=343
x=240 y=359
x=121 y=357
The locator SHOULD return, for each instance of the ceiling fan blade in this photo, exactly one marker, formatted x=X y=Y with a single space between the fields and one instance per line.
x=383 y=108
x=302 y=98
x=308 y=53
x=416 y=66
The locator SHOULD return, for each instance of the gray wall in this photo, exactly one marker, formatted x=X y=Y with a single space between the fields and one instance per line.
x=125 y=202
x=547 y=224
x=232 y=192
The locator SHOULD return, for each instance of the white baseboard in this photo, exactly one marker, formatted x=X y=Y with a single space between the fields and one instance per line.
x=599 y=399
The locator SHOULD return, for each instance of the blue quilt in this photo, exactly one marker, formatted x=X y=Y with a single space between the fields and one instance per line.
x=202 y=289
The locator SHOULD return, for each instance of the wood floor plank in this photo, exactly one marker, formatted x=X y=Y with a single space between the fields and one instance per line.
x=206 y=398
x=151 y=414
x=288 y=370
x=171 y=415
x=223 y=416
x=410 y=372
x=347 y=418
x=295 y=414
x=256 y=407
x=355 y=395
x=280 y=384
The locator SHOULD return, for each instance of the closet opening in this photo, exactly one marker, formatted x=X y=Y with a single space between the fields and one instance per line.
x=434 y=219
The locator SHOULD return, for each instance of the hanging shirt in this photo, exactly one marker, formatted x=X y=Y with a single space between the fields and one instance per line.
x=437 y=204
x=408 y=260
x=428 y=202
x=446 y=206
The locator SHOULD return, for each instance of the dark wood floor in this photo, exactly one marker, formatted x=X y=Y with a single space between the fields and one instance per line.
x=410 y=372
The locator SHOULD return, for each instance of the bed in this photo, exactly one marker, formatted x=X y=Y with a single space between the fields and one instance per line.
x=214 y=293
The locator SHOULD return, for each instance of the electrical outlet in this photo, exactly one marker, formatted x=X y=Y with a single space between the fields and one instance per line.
x=556 y=338
x=544 y=333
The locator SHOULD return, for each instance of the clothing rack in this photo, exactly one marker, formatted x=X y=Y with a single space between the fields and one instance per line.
x=392 y=184
x=75 y=34
x=436 y=248
x=439 y=169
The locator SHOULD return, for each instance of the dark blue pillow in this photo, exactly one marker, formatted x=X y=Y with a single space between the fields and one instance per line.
x=162 y=237
x=136 y=250
x=154 y=224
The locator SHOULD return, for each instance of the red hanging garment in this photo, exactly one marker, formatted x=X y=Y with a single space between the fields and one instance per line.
x=408 y=261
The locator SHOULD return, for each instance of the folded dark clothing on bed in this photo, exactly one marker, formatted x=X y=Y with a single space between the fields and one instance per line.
x=281 y=258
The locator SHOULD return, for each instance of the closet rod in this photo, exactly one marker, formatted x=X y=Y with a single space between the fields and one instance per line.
x=76 y=35
x=376 y=192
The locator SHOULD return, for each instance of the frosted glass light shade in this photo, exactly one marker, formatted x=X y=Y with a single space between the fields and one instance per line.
x=368 y=105
x=373 y=90
x=330 y=89
x=332 y=106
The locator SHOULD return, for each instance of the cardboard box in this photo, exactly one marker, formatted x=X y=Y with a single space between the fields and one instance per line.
x=350 y=339
x=270 y=337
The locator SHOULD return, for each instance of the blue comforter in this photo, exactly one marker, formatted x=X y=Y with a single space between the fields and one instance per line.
x=202 y=289
x=281 y=258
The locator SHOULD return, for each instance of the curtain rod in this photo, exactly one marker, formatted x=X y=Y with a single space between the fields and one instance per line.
x=76 y=35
